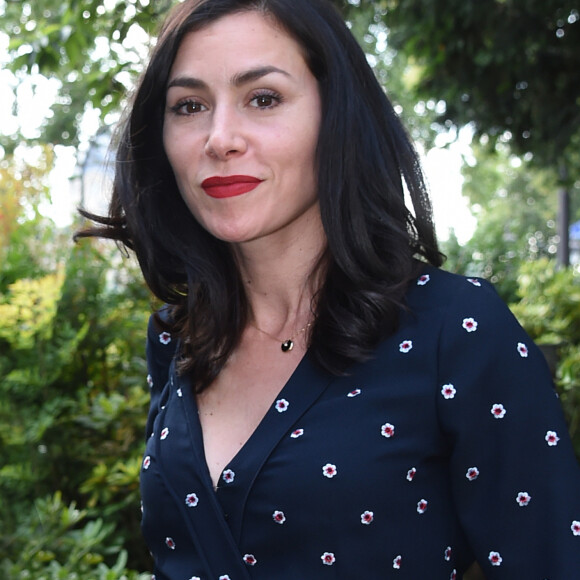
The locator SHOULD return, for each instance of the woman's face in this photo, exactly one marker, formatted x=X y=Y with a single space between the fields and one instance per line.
x=241 y=128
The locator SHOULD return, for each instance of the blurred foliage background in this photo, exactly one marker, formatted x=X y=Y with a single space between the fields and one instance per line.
x=73 y=393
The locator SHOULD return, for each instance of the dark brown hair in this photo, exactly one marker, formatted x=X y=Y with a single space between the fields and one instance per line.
x=365 y=163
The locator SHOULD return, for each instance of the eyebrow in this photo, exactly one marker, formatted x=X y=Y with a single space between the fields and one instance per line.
x=237 y=80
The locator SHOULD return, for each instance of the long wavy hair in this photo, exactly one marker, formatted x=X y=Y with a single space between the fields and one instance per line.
x=366 y=166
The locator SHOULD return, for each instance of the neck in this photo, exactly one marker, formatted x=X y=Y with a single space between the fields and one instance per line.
x=280 y=281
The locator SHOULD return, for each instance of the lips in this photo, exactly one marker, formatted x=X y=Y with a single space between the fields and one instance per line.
x=229 y=186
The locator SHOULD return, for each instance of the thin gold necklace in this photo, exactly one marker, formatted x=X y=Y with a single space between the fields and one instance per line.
x=288 y=344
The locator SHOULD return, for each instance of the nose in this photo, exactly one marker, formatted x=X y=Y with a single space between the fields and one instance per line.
x=225 y=138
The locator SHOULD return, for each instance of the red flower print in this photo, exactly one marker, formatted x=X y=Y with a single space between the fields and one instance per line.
x=448 y=553
x=191 y=500
x=367 y=517
x=575 y=527
x=387 y=430
x=279 y=517
x=297 y=433
x=146 y=462
x=164 y=433
x=250 y=559
x=474 y=281
x=170 y=543
x=354 y=393
x=328 y=558
x=397 y=563
x=422 y=506
x=469 y=324
x=329 y=470
x=552 y=438
x=228 y=476
x=282 y=405
x=406 y=346
x=423 y=280
x=495 y=558
x=523 y=498
x=522 y=349
x=498 y=411
x=165 y=338
x=150 y=381
x=411 y=474
x=472 y=473
x=448 y=391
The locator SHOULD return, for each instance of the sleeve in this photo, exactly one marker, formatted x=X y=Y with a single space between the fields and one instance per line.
x=515 y=479
x=160 y=351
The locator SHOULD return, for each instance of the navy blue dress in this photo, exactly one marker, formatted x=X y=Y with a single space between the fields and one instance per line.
x=449 y=446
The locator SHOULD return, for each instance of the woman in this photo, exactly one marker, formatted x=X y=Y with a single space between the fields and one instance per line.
x=325 y=401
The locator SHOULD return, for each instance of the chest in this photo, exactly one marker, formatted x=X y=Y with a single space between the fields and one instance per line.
x=231 y=409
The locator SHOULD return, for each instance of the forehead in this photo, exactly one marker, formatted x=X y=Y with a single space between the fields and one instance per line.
x=248 y=35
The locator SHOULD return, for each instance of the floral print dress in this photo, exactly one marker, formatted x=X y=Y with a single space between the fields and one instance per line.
x=449 y=446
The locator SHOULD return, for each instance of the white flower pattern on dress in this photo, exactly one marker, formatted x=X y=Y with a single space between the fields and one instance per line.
x=282 y=405
x=279 y=517
x=498 y=411
x=191 y=500
x=354 y=393
x=329 y=470
x=472 y=473
x=328 y=558
x=469 y=324
x=422 y=506
x=146 y=462
x=387 y=430
x=423 y=280
x=575 y=527
x=448 y=553
x=150 y=381
x=228 y=476
x=179 y=392
x=250 y=559
x=224 y=577
x=411 y=474
x=495 y=558
x=397 y=562
x=165 y=338
x=164 y=433
x=552 y=438
x=406 y=346
x=170 y=543
x=523 y=498
x=448 y=391
x=522 y=349
x=474 y=281
x=297 y=433
x=367 y=517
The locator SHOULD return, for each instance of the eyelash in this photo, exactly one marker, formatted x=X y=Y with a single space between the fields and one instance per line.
x=276 y=98
x=179 y=108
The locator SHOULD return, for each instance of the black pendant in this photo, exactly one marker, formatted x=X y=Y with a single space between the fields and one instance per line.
x=287 y=345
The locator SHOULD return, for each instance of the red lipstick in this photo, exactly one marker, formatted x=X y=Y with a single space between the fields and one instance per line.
x=229 y=186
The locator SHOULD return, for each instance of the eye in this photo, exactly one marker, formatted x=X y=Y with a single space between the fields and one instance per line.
x=188 y=107
x=266 y=100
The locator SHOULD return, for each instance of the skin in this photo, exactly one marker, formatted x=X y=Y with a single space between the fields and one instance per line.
x=252 y=107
